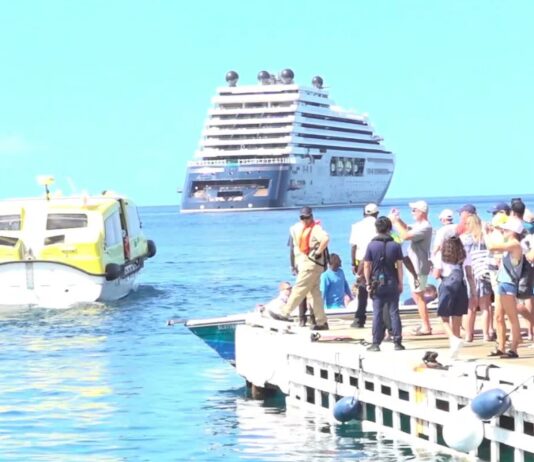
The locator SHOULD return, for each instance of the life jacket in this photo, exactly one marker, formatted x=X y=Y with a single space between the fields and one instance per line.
x=304 y=239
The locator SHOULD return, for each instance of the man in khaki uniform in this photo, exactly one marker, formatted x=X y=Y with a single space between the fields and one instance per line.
x=311 y=240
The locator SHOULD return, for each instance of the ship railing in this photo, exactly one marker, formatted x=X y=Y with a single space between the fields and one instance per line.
x=255 y=161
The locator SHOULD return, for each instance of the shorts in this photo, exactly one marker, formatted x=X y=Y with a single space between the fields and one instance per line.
x=507 y=288
x=494 y=282
x=422 y=282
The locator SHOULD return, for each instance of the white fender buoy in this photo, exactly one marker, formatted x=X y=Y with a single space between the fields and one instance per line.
x=464 y=431
x=347 y=408
x=491 y=403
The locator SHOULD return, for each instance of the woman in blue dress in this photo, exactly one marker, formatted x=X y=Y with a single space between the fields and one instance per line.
x=451 y=266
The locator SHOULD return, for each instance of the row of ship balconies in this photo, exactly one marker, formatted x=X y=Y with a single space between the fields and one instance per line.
x=219 y=134
x=289 y=135
x=251 y=161
x=239 y=145
x=309 y=147
x=215 y=125
x=261 y=96
x=240 y=112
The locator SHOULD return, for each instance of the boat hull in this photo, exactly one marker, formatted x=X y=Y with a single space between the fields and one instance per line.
x=219 y=333
x=57 y=285
x=250 y=186
x=232 y=188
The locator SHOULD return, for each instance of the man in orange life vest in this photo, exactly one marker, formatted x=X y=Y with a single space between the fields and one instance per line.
x=310 y=242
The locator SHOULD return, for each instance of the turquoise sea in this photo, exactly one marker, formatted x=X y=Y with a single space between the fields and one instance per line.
x=115 y=383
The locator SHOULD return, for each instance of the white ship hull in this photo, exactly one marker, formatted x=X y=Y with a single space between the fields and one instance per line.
x=285 y=185
x=280 y=145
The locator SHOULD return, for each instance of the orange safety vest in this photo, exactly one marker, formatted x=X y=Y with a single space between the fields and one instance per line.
x=304 y=239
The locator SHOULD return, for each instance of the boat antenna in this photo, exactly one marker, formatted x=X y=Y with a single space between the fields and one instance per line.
x=73 y=189
x=46 y=180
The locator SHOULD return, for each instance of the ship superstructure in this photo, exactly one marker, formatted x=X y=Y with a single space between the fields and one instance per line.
x=277 y=144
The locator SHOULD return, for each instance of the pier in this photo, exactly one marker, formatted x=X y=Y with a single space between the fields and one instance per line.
x=397 y=391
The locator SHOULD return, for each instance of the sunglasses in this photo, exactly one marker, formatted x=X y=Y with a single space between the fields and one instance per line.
x=302 y=217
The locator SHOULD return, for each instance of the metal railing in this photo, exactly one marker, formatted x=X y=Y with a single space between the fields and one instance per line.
x=224 y=162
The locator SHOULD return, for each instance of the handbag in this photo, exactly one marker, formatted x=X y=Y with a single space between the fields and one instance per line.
x=480 y=263
x=524 y=279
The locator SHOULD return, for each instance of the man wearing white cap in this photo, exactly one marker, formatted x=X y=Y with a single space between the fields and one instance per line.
x=447 y=229
x=361 y=234
x=420 y=236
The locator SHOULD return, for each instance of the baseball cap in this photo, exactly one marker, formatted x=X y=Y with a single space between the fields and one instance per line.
x=513 y=224
x=371 y=209
x=306 y=212
x=419 y=205
x=446 y=214
x=469 y=208
x=500 y=206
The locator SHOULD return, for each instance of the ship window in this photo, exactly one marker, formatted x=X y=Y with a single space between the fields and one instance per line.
x=359 y=167
x=333 y=163
x=66 y=220
x=10 y=222
x=134 y=223
x=113 y=229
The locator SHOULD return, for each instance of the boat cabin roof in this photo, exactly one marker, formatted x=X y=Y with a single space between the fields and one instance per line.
x=82 y=203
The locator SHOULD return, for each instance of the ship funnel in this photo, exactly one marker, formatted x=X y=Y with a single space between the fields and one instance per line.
x=232 y=77
x=286 y=76
x=264 y=77
x=317 y=81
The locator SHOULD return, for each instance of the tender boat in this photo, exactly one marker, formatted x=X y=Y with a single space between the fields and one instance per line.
x=60 y=251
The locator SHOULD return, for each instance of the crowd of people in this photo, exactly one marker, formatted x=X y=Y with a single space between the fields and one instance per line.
x=484 y=267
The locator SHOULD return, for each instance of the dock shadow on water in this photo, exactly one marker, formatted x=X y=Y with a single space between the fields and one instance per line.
x=268 y=431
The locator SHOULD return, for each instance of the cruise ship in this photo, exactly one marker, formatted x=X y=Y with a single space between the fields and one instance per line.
x=279 y=145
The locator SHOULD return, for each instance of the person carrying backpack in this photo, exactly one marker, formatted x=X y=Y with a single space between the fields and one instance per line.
x=383 y=276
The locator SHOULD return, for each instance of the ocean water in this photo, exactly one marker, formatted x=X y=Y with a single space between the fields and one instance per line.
x=115 y=383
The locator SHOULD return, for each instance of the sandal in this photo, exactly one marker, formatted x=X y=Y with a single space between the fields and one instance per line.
x=509 y=355
x=419 y=333
x=496 y=353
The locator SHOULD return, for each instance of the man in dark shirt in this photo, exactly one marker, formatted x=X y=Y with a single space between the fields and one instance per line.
x=383 y=275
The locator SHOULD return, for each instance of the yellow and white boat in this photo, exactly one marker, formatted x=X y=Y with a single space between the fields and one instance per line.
x=61 y=251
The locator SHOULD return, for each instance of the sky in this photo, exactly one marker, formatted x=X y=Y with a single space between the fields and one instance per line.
x=114 y=94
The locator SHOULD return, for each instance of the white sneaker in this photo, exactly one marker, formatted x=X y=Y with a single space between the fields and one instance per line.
x=455 y=343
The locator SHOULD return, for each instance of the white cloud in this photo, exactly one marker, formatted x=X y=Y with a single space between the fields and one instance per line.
x=13 y=145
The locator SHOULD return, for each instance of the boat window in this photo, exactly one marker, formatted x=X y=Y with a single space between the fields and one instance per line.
x=113 y=230
x=10 y=222
x=134 y=222
x=8 y=241
x=66 y=220
x=51 y=240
